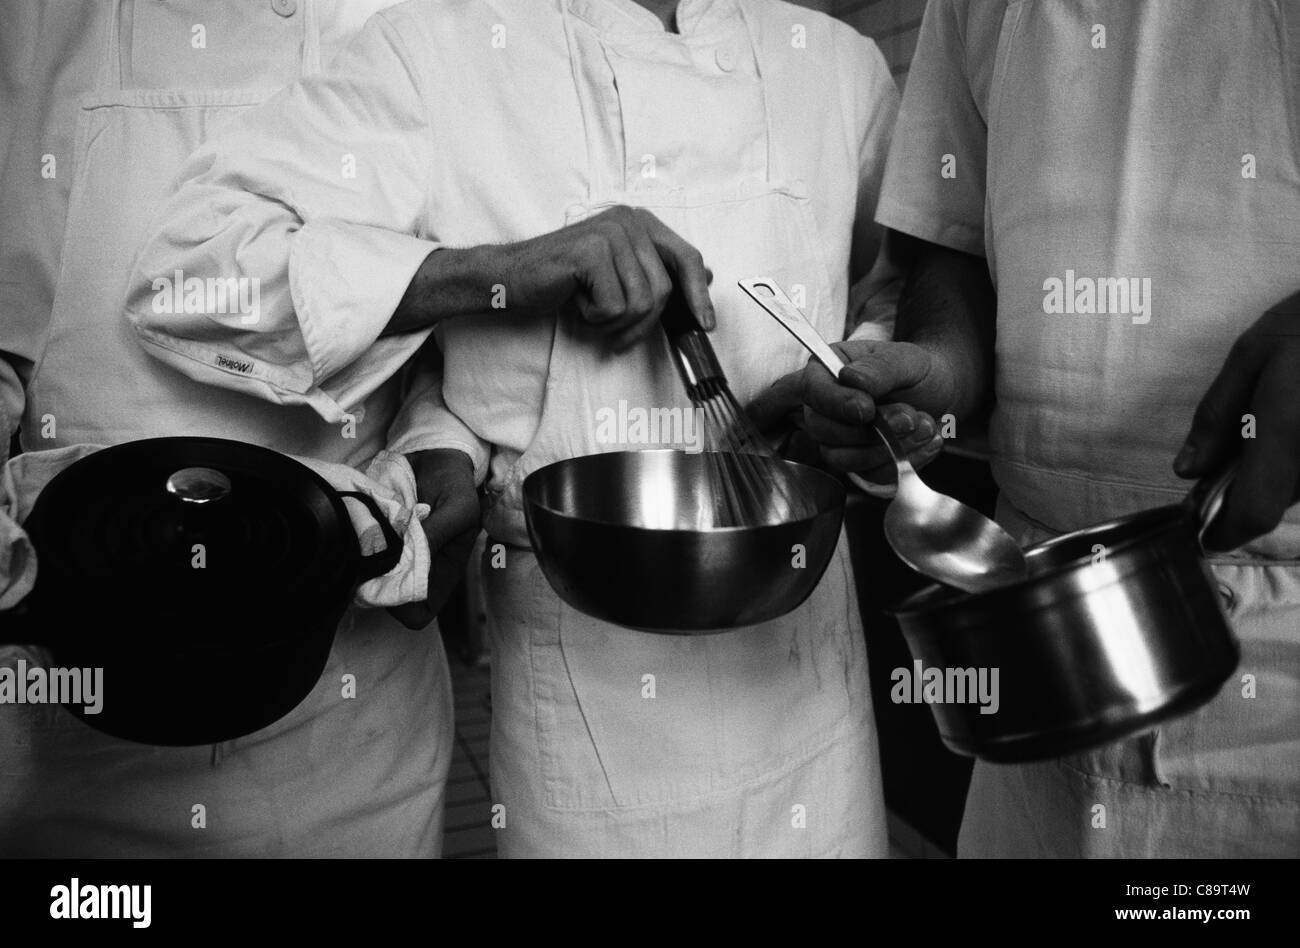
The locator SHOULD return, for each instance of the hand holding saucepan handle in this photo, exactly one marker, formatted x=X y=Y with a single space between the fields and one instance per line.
x=1251 y=412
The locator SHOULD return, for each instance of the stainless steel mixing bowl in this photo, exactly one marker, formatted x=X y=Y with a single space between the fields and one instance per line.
x=622 y=537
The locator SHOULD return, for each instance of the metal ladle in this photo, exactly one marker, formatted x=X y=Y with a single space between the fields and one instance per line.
x=933 y=533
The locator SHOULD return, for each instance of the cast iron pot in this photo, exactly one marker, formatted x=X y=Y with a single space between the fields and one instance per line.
x=205 y=577
x=615 y=536
x=1117 y=628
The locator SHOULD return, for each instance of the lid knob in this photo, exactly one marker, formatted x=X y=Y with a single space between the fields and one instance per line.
x=198 y=485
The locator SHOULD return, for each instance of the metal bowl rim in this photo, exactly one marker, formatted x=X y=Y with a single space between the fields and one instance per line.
x=531 y=503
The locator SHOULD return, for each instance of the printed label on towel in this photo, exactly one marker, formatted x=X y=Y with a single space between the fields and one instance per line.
x=918 y=685
x=37 y=685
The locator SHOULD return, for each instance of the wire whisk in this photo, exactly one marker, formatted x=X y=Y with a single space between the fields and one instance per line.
x=748 y=484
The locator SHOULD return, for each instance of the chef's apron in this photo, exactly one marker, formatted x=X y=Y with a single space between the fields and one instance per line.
x=612 y=742
x=359 y=767
x=1092 y=408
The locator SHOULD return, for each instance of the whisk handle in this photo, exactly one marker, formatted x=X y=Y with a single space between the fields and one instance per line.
x=696 y=360
x=677 y=317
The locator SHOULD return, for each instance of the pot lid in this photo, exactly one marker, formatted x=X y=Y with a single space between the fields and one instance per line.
x=191 y=522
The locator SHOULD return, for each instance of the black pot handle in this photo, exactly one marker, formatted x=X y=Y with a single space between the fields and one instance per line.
x=377 y=564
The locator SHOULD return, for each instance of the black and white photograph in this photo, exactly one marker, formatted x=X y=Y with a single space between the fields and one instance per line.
x=650 y=429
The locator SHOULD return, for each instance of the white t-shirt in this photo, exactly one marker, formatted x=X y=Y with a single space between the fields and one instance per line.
x=1132 y=174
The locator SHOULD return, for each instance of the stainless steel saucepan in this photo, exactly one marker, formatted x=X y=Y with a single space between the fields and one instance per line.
x=1117 y=628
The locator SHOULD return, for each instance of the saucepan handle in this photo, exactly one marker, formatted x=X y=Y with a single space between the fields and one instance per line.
x=1206 y=500
x=377 y=564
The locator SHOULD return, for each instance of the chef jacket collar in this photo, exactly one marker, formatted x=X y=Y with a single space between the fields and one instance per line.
x=622 y=17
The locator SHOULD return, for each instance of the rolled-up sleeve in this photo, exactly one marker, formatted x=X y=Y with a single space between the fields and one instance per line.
x=292 y=235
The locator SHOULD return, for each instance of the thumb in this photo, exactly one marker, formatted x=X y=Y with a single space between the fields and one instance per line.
x=887 y=368
x=779 y=404
x=1212 y=438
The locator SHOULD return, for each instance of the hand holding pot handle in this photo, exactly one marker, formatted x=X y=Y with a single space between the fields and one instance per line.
x=377 y=564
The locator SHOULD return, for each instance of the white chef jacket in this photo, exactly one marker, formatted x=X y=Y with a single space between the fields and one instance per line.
x=456 y=141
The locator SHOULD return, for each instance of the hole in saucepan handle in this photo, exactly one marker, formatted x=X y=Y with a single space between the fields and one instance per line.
x=377 y=564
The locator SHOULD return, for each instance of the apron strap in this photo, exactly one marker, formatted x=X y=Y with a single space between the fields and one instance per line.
x=115 y=60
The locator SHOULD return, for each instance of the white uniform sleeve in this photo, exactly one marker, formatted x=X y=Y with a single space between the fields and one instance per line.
x=425 y=423
x=935 y=178
x=315 y=204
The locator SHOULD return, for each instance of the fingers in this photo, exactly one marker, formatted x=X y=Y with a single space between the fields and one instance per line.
x=600 y=299
x=860 y=449
x=1269 y=471
x=446 y=571
x=1216 y=424
x=877 y=465
x=444 y=481
x=637 y=297
x=885 y=368
x=627 y=262
x=828 y=400
x=646 y=309
x=449 y=518
x=780 y=405
x=448 y=568
x=686 y=266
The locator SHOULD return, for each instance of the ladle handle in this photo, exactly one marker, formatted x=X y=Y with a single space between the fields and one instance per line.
x=767 y=293
x=693 y=353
